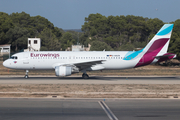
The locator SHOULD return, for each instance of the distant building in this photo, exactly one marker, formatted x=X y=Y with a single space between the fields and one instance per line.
x=138 y=48
x=5 y=49
x=76 y=48
x=87 y=48
x=34 y=44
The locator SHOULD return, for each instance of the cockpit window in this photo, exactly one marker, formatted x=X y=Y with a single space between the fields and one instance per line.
x=13 y=57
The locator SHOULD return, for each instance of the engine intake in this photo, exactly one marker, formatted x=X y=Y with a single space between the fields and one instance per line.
x=63 y=70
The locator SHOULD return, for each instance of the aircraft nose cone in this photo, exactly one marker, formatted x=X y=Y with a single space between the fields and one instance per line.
x=5 y=63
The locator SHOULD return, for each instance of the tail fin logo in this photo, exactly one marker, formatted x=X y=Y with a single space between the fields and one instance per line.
x=167 y=28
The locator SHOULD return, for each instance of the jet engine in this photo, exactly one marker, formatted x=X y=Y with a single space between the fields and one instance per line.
x=63 y=70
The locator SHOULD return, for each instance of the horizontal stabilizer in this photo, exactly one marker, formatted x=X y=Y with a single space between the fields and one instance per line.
x=167 y=55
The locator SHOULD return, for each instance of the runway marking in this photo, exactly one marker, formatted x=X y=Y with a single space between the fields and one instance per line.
x=107 y=110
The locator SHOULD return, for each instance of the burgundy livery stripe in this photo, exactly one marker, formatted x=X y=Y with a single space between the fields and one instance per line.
x=155 y=48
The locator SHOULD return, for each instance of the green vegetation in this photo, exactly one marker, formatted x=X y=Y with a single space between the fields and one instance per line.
x=120 y=32
x=109 y=33
x=125 y=32
x=17 y=27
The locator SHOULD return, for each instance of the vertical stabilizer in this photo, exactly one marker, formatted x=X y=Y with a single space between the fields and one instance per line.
x=157 y=46
x=160 y=42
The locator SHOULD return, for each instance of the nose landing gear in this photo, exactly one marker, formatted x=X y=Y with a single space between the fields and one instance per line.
x=26 y=75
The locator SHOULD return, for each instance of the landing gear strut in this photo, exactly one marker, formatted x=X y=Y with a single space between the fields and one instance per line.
x=26 y=76
x=85 y=76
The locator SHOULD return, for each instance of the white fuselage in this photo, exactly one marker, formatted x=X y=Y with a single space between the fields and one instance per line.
x=51 y=59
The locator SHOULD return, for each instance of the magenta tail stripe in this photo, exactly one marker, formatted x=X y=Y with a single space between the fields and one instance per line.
x=155 y=48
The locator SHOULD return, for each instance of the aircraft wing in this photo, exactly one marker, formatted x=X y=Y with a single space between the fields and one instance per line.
x=81 y=65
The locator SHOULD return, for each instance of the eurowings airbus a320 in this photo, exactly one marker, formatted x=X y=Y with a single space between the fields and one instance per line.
x=66 y=63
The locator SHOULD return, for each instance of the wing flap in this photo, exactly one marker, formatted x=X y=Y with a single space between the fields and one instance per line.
x=88 y=64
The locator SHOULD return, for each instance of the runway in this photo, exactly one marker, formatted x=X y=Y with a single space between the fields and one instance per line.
x=91 y=80
x=89 y=109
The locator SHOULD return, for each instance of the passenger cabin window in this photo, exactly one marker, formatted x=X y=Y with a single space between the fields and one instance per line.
x=35 y=41
x=29 y=42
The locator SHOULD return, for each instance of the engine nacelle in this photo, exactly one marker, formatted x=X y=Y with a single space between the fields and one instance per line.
x=63 y=70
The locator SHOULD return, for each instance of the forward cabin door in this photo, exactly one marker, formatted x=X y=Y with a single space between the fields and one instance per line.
x=26 y=60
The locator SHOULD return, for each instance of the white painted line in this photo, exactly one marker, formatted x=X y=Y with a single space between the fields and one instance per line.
x=107 y=110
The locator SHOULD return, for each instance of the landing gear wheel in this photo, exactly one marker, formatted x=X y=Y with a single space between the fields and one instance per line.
x=26 y=76
x=85 y=76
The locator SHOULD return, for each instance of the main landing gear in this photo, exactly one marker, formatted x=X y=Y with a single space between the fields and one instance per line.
x=26 y=76
x=85 y=76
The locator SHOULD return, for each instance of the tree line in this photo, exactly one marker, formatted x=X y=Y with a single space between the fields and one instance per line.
x=125 y=32
x=109 y=33
x=17 y=27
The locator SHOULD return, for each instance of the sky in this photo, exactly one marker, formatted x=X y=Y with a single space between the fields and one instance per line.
x=70 y=14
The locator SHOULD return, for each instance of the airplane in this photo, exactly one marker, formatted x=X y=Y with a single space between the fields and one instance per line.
x=66 y=63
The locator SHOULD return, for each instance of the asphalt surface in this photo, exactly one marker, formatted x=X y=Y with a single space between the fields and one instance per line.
x=88 y=109
x=91 y=80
